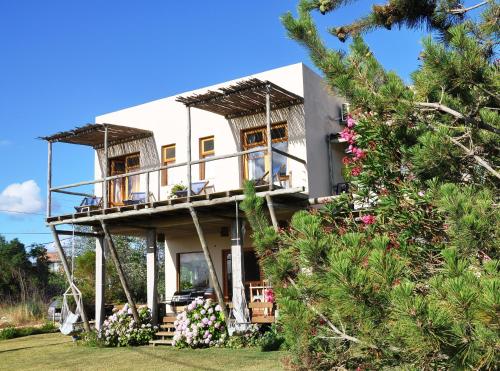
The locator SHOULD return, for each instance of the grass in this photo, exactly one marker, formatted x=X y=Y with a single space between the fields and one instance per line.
x=22 y=314
x=57 y=352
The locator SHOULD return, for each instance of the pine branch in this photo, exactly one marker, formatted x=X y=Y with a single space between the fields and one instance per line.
x=443 y=108
x=462 y=10
x=480 y=161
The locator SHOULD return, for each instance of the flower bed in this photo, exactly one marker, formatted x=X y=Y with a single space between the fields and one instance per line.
x=120 y=329
x=201 y=325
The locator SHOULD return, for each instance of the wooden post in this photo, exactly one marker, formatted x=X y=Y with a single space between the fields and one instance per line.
x=105 y=183
x=159 y=185
x=269 y=138
x=188 y=152
x=152 y=274
x=100 y=279
x=211 y=269
x=114 y=256
x=49 y=179
x=64 y=262
x=147 y=187
x=240 y=309
x=270 y=206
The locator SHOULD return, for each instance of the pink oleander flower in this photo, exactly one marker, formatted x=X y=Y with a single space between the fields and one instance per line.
x=368 y=219
x=356 y=171
x=348 y=135
x=350 y=122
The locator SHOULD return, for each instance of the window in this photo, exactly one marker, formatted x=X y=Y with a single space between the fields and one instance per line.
x=121 y=188
x=207 y=149
x=168 y=157
x=255 y=165
x=192 y=271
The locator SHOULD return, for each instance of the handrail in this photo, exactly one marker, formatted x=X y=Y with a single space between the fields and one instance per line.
x=179 y=164
x=158 y=168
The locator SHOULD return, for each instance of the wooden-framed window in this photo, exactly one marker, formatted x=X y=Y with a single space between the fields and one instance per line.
x=167 y=158
x=121 y=188
x=255 y=164
x=207 y=149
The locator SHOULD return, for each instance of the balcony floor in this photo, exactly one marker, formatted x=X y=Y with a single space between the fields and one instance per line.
x=215 y=207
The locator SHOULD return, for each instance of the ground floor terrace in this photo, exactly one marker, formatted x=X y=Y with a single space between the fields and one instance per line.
x=208 y=250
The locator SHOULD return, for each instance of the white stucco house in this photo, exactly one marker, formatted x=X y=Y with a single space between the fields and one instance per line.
x=278 y=128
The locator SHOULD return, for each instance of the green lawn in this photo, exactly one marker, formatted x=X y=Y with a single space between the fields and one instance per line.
x=57 y=352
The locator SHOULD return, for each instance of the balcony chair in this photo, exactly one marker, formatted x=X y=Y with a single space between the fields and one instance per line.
x=89 y=204
x=263 y=179
x=137 y=198
x=197 y=188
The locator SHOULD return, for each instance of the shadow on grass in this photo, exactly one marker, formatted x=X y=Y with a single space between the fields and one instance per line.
x=176 y=360
x=32 y=347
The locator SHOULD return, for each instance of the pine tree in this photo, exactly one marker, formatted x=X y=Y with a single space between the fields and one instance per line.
x=412 y=279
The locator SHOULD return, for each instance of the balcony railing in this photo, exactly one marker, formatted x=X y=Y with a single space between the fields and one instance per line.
x=269 y=180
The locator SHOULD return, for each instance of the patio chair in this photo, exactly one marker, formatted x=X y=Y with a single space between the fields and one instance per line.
x=263 y=179
x=89 y=204
x=137 y=198
x=197 y=188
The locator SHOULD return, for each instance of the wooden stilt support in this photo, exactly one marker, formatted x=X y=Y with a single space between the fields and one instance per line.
x=211 y=269
x=114 y=256
x=65 y=265
x=270 y=206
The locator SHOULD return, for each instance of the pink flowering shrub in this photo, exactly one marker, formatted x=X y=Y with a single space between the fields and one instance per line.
x=120 y=329
x=200 y=325
x=368 y=219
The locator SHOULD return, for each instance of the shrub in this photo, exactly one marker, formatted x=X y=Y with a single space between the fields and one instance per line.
x=13 y=332
x=271 y=340
x=201 y=325
x=249 y=338
x=120 y=329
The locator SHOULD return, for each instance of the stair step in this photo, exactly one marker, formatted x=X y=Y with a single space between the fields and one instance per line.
x=165 y=333
x=167 y=325
x=170 y=319
x=160 y=342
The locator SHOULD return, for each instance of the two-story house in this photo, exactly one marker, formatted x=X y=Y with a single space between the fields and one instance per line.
x=173 y=170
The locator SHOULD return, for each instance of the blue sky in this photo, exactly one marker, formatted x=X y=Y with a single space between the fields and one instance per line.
x=64 y=62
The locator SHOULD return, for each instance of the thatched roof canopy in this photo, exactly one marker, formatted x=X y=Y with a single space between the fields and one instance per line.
x=93 y=135
x=242 y=99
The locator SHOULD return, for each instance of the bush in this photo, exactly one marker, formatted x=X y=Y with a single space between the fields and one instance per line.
x=201 y=325
x=13 y=332
x=271 y=340
x=249 y=338
x=120 y=329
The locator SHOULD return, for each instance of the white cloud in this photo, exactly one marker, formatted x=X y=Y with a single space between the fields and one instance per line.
x=21 y=197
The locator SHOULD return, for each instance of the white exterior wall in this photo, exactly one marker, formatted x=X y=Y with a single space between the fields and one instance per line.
x=168 y=120
x=322 y=112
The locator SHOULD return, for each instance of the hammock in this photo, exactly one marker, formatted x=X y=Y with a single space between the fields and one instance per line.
x=70 y=323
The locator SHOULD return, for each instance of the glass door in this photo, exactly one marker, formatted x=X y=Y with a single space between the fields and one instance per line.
x=120 y=189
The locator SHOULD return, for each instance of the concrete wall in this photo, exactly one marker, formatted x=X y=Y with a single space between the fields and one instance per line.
x=322 y=116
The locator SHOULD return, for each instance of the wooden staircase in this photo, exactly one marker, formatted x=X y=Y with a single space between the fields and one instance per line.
x=166 y=332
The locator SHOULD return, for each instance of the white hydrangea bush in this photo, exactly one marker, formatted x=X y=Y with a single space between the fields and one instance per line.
x=120 y=329
x=201 y=325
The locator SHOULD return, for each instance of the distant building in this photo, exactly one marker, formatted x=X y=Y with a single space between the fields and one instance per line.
x=54 y=262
